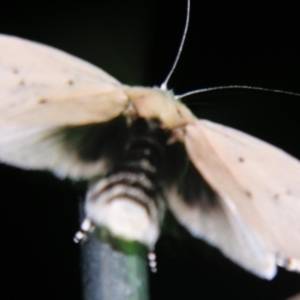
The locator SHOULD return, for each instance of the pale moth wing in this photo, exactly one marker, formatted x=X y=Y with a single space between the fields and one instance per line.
x=259 y=190
x=224 y=229
x=42 y=90
x=57 y=110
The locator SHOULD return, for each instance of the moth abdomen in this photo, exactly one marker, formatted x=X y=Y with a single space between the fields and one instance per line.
x=129 y=200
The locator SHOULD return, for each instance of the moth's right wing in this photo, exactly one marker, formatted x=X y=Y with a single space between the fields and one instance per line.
x=206 y=216
x=43 y=92
x=256 y=219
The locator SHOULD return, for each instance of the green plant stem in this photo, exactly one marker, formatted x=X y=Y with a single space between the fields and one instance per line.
x=111 y=274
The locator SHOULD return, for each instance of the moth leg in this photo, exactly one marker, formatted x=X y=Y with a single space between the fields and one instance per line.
x=152 y=261
x=290 y=264
x=85 y=227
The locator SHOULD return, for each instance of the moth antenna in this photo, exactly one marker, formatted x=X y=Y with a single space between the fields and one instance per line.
x=243 y=87
x=164 y=85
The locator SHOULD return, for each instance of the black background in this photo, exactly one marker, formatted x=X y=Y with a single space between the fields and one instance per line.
x=228 y=43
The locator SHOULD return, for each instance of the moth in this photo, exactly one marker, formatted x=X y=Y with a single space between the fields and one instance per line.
x=143 y=152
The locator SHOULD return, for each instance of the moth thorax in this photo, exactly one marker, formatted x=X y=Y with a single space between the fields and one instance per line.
x=129 y=201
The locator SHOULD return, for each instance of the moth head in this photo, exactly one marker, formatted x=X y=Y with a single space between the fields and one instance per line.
x=154 y=103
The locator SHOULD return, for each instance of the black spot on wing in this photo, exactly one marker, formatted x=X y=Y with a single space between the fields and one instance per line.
x=248 y=194
x=42 y=101
x=192 y=188
x=94 y=141
x=196 y=190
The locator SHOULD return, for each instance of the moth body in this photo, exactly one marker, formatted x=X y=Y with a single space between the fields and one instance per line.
x=129 y=200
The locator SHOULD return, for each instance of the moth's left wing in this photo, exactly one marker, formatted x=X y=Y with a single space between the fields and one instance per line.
x=44 y=86
x=258 y=186
x=43 y=93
